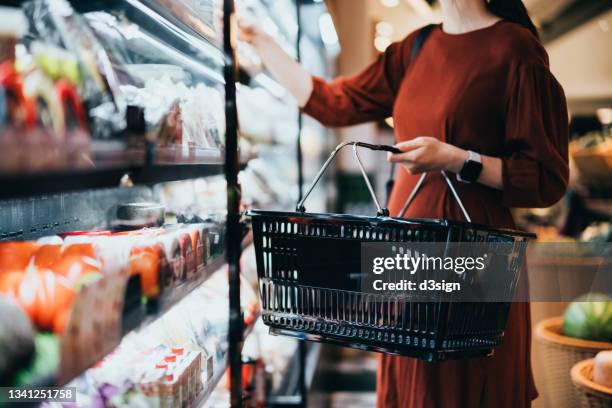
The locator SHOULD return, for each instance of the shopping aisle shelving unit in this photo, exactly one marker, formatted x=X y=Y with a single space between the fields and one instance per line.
x=51 y=201
x=29 y=185
x=42 y=203
x=233 y=240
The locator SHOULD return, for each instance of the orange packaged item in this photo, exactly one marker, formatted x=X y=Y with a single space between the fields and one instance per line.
x=76 y=267
x=9 y=283
x=196 y=246
x=151 y=264
x=47 y=255
x=21 y=110
x=15 y=256
x=84 y=249
x=43 y=295
x=73 y=108
x=172 y=249
x=188 y=254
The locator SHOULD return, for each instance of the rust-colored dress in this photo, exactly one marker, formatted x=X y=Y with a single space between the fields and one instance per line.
x=490 y=91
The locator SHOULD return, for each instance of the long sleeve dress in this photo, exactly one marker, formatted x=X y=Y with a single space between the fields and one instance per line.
x=490 y=91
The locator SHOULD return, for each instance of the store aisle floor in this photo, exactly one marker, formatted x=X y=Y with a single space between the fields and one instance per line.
x=344 y=378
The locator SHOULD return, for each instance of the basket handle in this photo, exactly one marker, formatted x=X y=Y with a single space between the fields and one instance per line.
x=380 y=210
x=417 y=187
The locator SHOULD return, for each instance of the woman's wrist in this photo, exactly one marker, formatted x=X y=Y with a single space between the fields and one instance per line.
x=261 y=41
x=456 y=158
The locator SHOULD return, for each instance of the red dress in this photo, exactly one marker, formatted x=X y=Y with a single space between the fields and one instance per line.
x=490 y=91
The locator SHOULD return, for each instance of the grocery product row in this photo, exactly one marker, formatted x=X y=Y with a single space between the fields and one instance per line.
x=174 y=362
x=59 y=282
x=114 y=215
x=95 y=90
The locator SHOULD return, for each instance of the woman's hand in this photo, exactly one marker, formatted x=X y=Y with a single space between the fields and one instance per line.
x=251 y=33
x=283 y=68
x=425 y=154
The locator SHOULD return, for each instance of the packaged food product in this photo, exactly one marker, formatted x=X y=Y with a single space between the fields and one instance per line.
x=196 y=245
x=15 y=256
x=174 y=255
x=20 y=109
x=50 y=114
x=184 y=239
x=150 y=262
x=13 y=26
x=47 y=254
x=42 y=294
x=74 y=114
x=171 y=391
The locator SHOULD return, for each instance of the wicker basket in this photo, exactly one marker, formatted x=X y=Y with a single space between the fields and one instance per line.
x=560 y=353
x=594 y=163
x=590 y=394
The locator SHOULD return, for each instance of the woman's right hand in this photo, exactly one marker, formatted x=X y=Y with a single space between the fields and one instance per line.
x=283 y=68
x=251 y=33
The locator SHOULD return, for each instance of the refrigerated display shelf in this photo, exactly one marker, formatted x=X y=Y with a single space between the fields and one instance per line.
x=288 y=392
x=157 y=20
x=222 y=369
x=140 y=318
x=137 y=321
x=38 y=184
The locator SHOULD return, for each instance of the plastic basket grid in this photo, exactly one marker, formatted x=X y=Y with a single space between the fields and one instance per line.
x=306 y=298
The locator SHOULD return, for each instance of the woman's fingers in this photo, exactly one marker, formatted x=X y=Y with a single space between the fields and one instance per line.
x=408 y=156
x=246 y=31
x=410 y=144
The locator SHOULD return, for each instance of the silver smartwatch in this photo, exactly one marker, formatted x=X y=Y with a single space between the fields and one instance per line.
x=471 y=169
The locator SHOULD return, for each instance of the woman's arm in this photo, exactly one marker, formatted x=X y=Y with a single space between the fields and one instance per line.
x=425 y=154
x=288 y=72
x=367 y=96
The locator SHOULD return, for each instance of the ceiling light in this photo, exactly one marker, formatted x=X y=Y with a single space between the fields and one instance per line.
x=389 y=3
x=381 y=43
x=385 y=29
x=605 y=116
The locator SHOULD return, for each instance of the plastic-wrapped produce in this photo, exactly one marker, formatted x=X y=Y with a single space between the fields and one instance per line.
x=55 y=22
x=189 y=116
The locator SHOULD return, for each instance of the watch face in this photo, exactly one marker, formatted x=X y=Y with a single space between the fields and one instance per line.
x=471 y=171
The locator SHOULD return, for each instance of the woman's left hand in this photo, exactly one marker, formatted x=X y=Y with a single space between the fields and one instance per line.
x=425 y=154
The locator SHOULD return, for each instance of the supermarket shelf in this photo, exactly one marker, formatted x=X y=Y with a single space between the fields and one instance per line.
x=287 y=393
x=111 y=169
x=139 y=319
x=173 y=35
x=37 y=184
x=220 y=371
x=188 y=21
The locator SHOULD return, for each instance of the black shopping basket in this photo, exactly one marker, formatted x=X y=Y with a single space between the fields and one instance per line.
x=306 y=264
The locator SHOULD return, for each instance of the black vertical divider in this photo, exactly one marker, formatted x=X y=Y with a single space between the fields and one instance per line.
x=302 y=346
x=298 y=12
x=233 y=235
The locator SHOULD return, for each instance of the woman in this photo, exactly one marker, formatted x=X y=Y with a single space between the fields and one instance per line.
x=478 y=101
